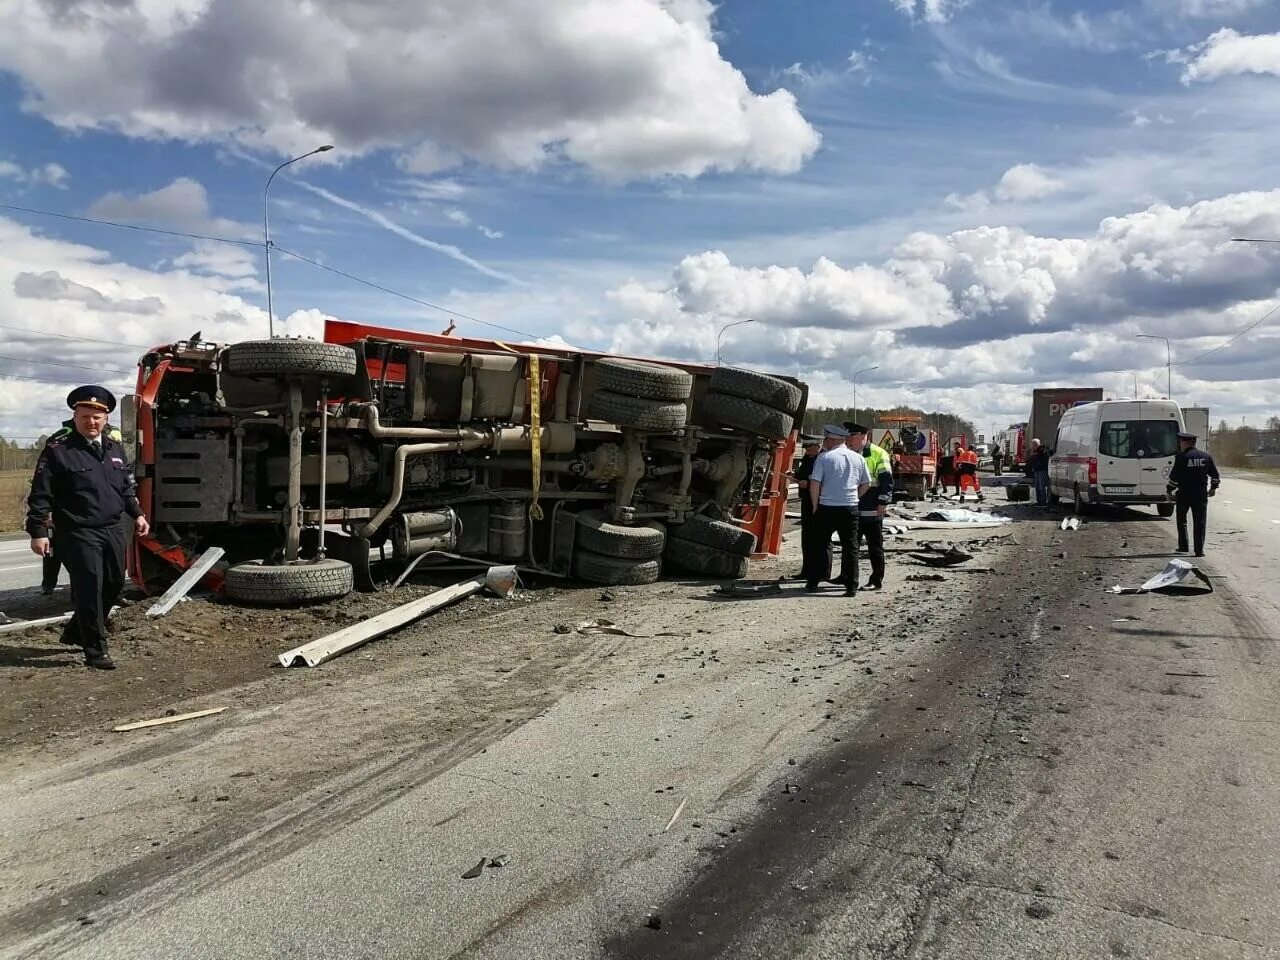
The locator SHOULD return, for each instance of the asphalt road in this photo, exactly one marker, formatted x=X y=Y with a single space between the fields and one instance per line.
x=1016 y=766
x=20 y=568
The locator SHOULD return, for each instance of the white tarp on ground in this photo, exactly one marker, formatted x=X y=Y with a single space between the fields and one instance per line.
x=1175 y=571
x=964 y=516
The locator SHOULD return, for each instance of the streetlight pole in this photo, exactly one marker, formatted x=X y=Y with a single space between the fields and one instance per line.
x=856 y=375
x=1168 y=361
x=736 y=323
x=266 y=229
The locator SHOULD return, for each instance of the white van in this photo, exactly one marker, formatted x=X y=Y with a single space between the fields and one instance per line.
x=1117 y=452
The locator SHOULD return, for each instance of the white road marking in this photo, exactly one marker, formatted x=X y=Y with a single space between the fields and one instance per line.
x=1246 y=510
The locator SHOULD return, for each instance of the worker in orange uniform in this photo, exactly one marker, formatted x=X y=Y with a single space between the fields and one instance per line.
x=967 y=461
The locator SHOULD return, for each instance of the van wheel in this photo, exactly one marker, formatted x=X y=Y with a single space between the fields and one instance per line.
x=1081 y=505
x=1164 y=509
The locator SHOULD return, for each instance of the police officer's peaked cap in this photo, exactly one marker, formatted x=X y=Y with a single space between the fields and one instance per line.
x=834 y=430
x=1186 y=436
x=810 y=441
x=92 y=395
x=854 y=427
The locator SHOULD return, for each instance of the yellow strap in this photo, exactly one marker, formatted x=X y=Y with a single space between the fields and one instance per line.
x=535 y=427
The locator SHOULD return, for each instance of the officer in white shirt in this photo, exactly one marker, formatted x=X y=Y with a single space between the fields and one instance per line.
x=839 y=479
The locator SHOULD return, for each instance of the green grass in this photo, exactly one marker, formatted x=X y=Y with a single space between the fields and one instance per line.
x=14 y=485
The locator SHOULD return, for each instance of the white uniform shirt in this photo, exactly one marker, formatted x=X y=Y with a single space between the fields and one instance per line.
x=840 y=471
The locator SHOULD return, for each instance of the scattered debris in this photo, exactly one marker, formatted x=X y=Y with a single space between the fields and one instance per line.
x=1069 y=523
x=1175 y=571
x=476 y=870
x=922 y=577
x=161 y=721
x=749 y=588
x=500 y=580
x=653 y=921
x=600 y=625
x=948 y=558
x=608 y=596
x=501 y=860
x=184 y=584
x=675 y=816
x=1039 y=911
x=14 y=626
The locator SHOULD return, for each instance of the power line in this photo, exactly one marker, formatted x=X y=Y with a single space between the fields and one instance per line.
x=131 y=226
x=404 y=296
x=280 y=249
x=77 y=366
x=1232 y=340
x=65 y=336
x=14 y=376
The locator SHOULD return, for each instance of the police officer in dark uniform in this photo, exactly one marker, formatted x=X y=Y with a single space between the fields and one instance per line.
x=1192 y=481
x=84 y=482
x=809 y=529
x=52 y=565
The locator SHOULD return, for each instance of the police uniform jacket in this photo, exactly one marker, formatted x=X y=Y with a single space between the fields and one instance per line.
x=80 y=488
x=881 y=491
x=803 y=471
x=1193 y=474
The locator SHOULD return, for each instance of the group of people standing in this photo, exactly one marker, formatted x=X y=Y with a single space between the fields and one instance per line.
x=846 y=486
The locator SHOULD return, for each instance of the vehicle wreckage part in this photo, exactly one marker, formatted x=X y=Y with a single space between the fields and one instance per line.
x=614 y=571
x=750 y=385
x=279 y=584
x=660 y=416
x=293 y=507
x=422 y=531
x=719 y=534
x=597 y=535
x=702 y=559
x=508 y=530
x=635 y=378
x=290 y=358
x=751 y=416
x=500 y=581
x=185 y=583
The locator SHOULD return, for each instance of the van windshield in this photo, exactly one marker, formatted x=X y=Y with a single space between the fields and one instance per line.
x=1135 y=439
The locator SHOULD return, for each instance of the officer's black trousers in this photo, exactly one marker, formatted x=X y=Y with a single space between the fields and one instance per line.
x=811 y=545
x=51 y=566
x=873 y=532
x=842 y=521
x=1199 y=515
x=94 y=557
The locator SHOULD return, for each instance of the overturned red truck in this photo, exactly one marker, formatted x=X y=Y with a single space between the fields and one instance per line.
x=301 y=459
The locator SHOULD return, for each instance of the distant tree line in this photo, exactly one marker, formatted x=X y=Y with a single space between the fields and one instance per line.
x=1232 y=446
x=19 y=456
x=947 y=424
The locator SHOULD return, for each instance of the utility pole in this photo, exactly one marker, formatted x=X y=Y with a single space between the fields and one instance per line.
x=1168 y=361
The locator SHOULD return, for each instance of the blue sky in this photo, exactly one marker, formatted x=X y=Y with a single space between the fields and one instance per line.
x=982 y=197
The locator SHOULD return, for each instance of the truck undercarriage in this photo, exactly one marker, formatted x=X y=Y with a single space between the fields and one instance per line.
x=300 y=457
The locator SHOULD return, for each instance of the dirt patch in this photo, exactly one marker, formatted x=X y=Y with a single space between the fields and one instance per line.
x=14 y=486
x=203 y=646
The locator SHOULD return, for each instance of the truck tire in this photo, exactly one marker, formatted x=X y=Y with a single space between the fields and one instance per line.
x=290 y=357
x=1165 y=509
x=661 y=416
x=749 y=416
x=719 y=534
x=597 y=534
x=635 y=378
x=707 y=561
x=278 y=585
x=760 y=387
x=615 y=571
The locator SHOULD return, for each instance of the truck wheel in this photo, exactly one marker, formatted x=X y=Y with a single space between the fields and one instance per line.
x=749 y=385
x=599 y=535
x=634 y=378
x=750 y=416
x=289 y=357
x=278 y=585
x=661 y=416
x=614 y=571
x=1165 y=509
x=702 y=559
x=719 y=534
x=1081 y=505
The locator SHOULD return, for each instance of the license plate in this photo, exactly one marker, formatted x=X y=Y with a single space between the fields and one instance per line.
x=1120 y=488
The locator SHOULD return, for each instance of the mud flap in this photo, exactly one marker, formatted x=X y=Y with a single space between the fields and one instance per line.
x=355 y=551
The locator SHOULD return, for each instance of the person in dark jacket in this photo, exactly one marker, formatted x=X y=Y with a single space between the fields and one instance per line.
x=874 y=504
x=1192 y=481
x=85 y=484
x=997 y=459
x=1038 y=471
x=808 y=529
x=51 y=566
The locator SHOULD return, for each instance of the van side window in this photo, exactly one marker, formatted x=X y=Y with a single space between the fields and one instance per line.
x=1130 y=439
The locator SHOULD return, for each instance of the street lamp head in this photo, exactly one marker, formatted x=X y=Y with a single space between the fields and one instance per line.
x=325 y=149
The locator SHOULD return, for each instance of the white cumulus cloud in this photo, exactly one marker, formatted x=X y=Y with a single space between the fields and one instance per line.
x=627 y=88
x=1228 y=53
x=48 y=174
